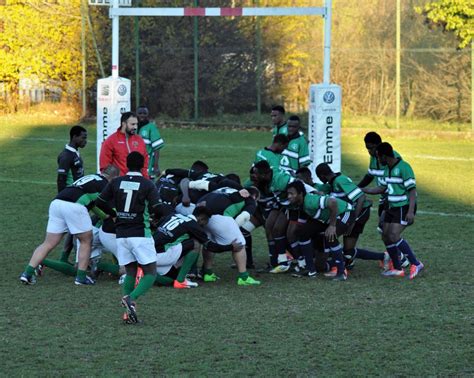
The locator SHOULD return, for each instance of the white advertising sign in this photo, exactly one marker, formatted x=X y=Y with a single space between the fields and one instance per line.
x=113 y=99
x=325 y=126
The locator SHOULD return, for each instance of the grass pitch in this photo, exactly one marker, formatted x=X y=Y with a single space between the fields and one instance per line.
x=286 y=327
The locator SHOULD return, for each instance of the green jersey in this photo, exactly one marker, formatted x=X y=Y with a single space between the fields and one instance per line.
x=398 y=180
x=316 y=207
x=268 y=155
x=282 y=129
x=278 y=185
x=376 y=170
x=343 y=188
x=296 y=154
x=153 y=142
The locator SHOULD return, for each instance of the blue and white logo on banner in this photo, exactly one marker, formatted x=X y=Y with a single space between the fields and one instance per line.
x=122 y=90
x=329 y=97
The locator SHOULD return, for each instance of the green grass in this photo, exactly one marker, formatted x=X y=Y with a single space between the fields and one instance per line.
x=287 y=327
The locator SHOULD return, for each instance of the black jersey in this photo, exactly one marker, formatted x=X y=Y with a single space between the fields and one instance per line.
x=84 y=191
x=227 y=201
x=70 y=167
x=174 y=227
x=133 y=196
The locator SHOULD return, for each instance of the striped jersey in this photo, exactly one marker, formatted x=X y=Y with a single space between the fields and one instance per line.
x=296 y=154
x=70 y=167
x=398 y=180
x=343 y=188
x=315 y=206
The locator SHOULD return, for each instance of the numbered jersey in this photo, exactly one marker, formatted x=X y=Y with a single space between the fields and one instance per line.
x=398 y=180
x=268 y=155
x=84 y=191
x=296 y=154
x=133 y=197
x=175 y=228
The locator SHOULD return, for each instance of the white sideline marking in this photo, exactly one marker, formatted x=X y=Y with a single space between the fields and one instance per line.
x=433 y=213
x=184 y=145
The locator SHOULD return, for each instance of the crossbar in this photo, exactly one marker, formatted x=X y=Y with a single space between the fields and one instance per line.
x=219 y=12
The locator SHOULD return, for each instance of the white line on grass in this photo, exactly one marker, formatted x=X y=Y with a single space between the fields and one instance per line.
x=433 y=213
x=207 y=146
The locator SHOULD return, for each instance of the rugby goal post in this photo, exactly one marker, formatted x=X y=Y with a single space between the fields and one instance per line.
x=324 y=126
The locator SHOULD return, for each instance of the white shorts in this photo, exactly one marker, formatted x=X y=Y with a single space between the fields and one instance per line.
x=96 y=247
x=68 y=217
x=166 y=260
x=181 y=209
x=133 y=249
x=222 y=229
x=108 y=241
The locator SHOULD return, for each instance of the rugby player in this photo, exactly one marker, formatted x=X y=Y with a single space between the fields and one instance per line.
x=69 y=212
x=342 y=187
x=134 y=197
x=278 y=120
x=296 y=155
x=334 y=213
x=272 y=153
x=148 y=130
x=70 y=169
x=399 y=181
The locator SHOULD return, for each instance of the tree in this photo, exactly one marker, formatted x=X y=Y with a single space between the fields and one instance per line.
x=451 y=15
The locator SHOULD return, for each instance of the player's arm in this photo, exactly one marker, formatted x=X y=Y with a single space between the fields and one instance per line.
x=409 y=183
x=102 y=201
x=331 y=205
x=64 y=165
x=376 y=190
x=410 y=218
x=366 y=180
x=184 y=186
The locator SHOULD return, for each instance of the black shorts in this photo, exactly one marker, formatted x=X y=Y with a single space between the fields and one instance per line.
x=360 y=222
x=344 y=221
x=296 y=215
x=397 y=215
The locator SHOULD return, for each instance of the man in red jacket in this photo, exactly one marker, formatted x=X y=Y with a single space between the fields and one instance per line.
x=117 y=146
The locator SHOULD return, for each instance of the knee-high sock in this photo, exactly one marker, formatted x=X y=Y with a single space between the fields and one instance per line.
x=404 y=247
x=280 y=249
x=163 y=280
x=271 y=253
x=306 y=249
x=364 y=254
x=109 y=268
x=338 y=257
x=60 y=266
x=128 y=284
x=188 y=262
x=143 y=286
x=248 y=245
x=392 y=250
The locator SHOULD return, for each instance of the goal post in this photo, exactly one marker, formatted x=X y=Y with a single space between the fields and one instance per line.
x=324 y=126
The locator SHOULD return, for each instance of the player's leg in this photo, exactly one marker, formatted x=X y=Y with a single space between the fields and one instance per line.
x=188 y=257
x=67 y=248
x=50 y=242
x=279 y=235
x=389 y=236
x=269 y=223
x=84 y=254
x=415 y=265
